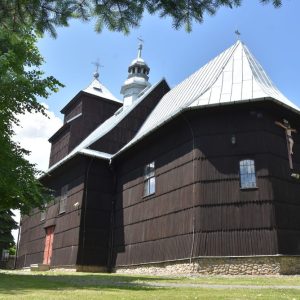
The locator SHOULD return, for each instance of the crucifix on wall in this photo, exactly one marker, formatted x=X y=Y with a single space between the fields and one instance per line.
x=289 y=139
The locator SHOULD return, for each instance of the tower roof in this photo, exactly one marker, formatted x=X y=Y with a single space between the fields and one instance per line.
x=98 y=89
x=137 y=79
x=232 y=77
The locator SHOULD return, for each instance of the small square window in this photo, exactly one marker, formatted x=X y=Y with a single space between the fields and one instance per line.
x=149 y=179
x=247 y=174
x=63 y=199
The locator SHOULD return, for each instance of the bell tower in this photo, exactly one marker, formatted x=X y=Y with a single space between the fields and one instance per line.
x=137 y=79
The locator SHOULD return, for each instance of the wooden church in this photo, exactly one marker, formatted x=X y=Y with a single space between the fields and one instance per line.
x=198 y=178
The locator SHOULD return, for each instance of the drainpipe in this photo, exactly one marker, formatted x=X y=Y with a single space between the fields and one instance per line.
x=194 y=188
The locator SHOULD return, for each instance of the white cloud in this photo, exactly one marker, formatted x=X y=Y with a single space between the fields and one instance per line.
x=33 y=134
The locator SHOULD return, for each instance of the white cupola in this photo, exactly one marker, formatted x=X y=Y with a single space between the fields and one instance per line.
x=137 y=79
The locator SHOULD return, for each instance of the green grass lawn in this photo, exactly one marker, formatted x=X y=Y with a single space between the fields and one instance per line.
x=59 y=285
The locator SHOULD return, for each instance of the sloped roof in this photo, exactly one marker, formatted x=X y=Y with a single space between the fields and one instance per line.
x=96 y=88
x=101 y=130
x=233 y=76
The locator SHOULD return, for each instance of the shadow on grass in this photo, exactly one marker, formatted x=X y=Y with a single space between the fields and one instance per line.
x=11 y=283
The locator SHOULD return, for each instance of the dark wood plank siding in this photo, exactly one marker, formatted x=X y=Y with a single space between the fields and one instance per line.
x=60 y=147
x=96 y=214
x=128 y=127
x=67 y=224
x=73 y=111
x=203 y=185
x=94 y=111
x=286 y=190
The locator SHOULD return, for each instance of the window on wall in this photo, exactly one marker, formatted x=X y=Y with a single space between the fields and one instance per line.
x=247 y=174
x=63 y=199
x=149 y=179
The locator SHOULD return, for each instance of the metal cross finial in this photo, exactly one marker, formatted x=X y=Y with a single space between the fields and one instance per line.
x=141 y=42
x=238 y=34
x=97 y=64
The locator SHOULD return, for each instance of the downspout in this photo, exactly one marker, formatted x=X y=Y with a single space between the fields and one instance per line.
x=112 y=220
x=194 y=188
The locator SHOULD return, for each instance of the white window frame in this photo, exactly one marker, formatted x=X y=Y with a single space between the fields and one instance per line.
x=63 y=199
x=247 y=171
x=149 y=179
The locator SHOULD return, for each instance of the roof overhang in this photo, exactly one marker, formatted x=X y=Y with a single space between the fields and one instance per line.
x=208 y=106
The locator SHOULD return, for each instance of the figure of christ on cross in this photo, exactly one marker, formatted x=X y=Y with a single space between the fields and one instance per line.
x=290 y=142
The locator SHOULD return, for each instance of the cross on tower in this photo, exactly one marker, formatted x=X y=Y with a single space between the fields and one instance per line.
x=98 y=65
x=238 y=34
x=141 y=42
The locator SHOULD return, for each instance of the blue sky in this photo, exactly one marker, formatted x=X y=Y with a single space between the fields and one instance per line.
x=272 y=35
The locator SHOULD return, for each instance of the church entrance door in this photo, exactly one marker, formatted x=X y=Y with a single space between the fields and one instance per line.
x=48 y=245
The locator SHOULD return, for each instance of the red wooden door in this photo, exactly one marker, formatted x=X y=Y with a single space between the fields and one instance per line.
x=48 y=245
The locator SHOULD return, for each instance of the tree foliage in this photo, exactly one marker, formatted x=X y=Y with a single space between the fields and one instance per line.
x=21 y=83
x=7 y=223
x=116 y=15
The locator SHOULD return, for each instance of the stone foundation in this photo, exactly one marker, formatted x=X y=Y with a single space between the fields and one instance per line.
x=92 y=269
x=39 y=267
x=248 y=265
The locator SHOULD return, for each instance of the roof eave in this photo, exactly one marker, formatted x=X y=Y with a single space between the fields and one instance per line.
x=63 y=161
x=124 y=149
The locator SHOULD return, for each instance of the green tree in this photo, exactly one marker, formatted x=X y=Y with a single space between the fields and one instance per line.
x=21 y=83
x=116 y=15
x=7 y=223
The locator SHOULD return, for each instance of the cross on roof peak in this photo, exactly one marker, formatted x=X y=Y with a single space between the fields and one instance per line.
x=238 y=34
x=141 y=42
x=98 y=65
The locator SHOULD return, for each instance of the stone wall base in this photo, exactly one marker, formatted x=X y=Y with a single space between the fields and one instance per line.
x=39 y=267
x=93 y=269
x=247 y=265
x=79 y=268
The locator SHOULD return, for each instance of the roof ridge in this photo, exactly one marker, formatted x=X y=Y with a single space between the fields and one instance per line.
x=232 y=76
x=220 y=72
x=263 y=79
x=97 y=88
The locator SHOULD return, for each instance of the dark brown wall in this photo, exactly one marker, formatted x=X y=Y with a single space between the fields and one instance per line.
x=60 y=145
x=94 y=111
x=199 y=190
x=96 y=214
x=67 y=224
x=128 y=127
x=73 y=111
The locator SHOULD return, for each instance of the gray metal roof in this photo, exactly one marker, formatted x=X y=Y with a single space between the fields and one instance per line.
x=101 y=130
x=233 y=76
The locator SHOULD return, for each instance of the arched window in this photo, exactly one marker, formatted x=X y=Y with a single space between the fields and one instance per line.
x=247 y=174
